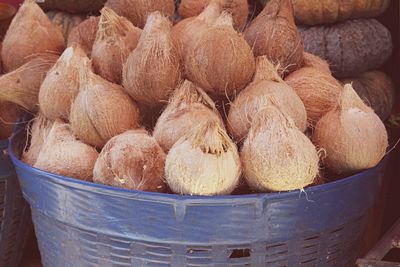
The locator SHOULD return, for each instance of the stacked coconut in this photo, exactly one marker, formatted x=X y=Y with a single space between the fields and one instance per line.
x=355 y=44
x=136 y=101
x=9 y=112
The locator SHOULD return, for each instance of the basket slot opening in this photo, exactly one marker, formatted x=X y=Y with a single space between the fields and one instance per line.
x=308 y=261
x=276 y=245
x=240 y=253
x=312 y=238
x=338 y=231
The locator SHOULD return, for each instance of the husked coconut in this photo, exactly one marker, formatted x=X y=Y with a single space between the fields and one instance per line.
x=132 y=160
x=38 y=130
x=153 y=69
x=61 y=85
x=101 y=110
x=352 y=135
x=138 y=11
x=273 y=33
x=205 y=162
x=238 y=8
x=314 y=61
x=318 y=90
x=30 y=32
x=84 y=34
x=257 y=95
x=116 y=38
x=188 y=107
x=276 y=155
x=22 y=85
x=63 y=154
x=220 y=61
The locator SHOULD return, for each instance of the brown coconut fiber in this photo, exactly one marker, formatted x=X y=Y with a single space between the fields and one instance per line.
x=22 y=85
x=238 y=8
x=220 y=61
x=257 y=95
x=352 y=135
x=116 y=38
x=132 y=160
x=64 y=155
x=30 y=32
x=137 y=11
x=276 y=155
x=61 y=85
x=314 y=61
x=188 y=31
x=318 y=90
x=38 y=130
x=101 y=110
x=377 y=90
x=153 y=69
x=273 y=33
x=205 y=162
x=85 y=34
x=188 y=107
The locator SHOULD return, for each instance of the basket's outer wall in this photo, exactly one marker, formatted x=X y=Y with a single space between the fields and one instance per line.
x=15 y=218
x=82 y=224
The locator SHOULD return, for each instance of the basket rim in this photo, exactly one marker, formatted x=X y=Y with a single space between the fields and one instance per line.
x=174 y=198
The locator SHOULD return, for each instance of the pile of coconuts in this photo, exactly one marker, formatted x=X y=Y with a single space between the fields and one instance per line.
x=199 y=106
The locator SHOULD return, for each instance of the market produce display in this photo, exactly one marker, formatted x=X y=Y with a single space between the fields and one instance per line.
x=30 y=32
x=227 y=70
x=276 y=155
x=188 y=107
x=352 y=135
x=101 y=110
x=238 y=8
x=58 y=153
x=318 y=90
x=116 y=38
x=257 y=95
x=61 y=85
x=153 y=70
x=232 y=104
x=311 y=60
x=273 y=33
x=38 y=129
x=204 y=162
x=350 y=47
x=311 y=12
x=376 y=89
x=187 y=31
x=21 y=86
x=132 y=160
x=137 y=11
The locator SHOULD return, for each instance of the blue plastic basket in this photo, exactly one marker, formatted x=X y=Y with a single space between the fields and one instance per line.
x=83 y=224
x=15 y=218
